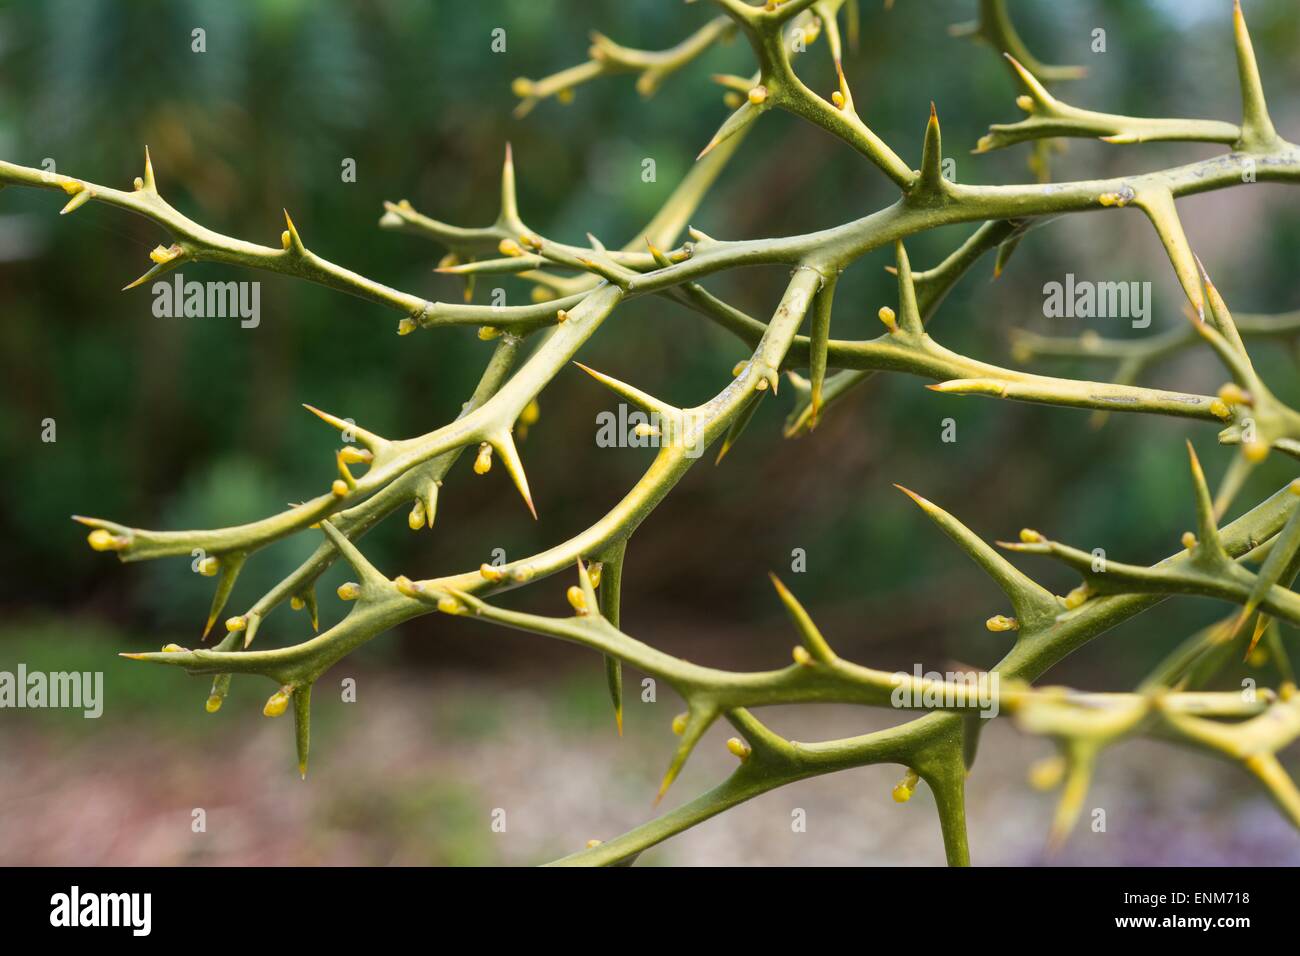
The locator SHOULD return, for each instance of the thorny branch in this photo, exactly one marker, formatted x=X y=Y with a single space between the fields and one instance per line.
x=578 y=286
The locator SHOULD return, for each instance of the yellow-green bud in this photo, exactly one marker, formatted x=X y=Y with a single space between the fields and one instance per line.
x=277 y=703
x=1076 y=597
x=739 y=748
x=1046 y=774
x=349 y=591
x=102 y=540
x=903 y=790
x=352 y=455
x=577 y=599
x=449 y=605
